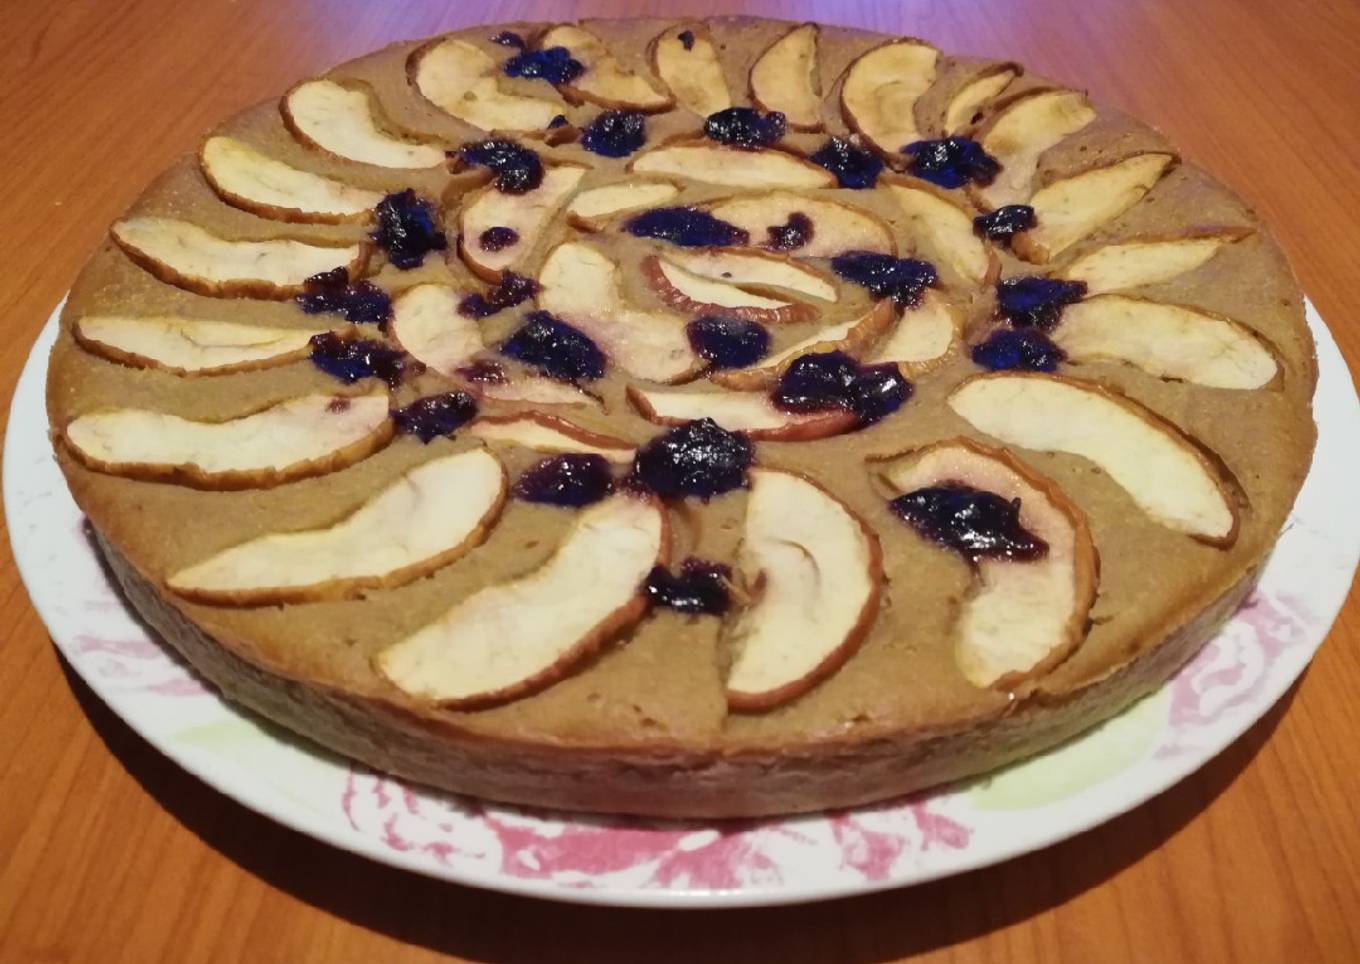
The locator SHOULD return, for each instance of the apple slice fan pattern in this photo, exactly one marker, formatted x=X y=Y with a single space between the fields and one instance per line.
x=617 y=297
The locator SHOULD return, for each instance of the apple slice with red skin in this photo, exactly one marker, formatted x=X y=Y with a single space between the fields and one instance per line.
x=751 y=413
x=344 y=120
x=1168 y=341
x=404 y=532
x=247 y=179
x=691 y=69
x=1169 y=476
x=1148 y=261
x=851 y=337
x=880 y=90
x=533 y=390
x=185 y=255
x=528 y=215
x=814 y=571
x=697 y=295
x=786 y=78
x=987 y=85
x=605 y=81
x=756 y=270
x=549 y=433
x=190 y=346
x=836 y=227
x=427 y=325
x=698 y=159
x=945 y=230
x=1022 y=617
x=1019 y=133
x=301 y=437
x=519 y=637
x=1072 y=207
x=462 y=80
x=593 y=209
x=924 y=338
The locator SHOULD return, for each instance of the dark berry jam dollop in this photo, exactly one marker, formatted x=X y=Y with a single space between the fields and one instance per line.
x=686 y=227
x=408 y=229
x=615 y=133
x=901 y=279
x=686 y=38
x=951 y=162
x=575 y=479
x=556 y=65
x=518 y=169
x=360 y=302
x=792 y=234
x=484 y=373
x=508 y=38
x=435 y=415
x=497 y=238
x=1036 y=302
x=555 y=348
x=511 y=290
x=701 y=587
x=876 y=392
x=1005 y=222
x=698 y=458
x=559 y=120
x=853 y=166
x=745 y=127
x=350 y=359
x=1026 y=349
x=970 y=521
x=824 y=380
x=728 y=342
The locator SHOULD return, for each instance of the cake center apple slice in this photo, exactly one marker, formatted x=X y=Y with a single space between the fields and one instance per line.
x=190 y=346
x=753 y=413
x=852 y=337
x=1035 y=567
x=945 y=230
x=499 y=231
x=255 y=182
x=814 y=571
x=697 y=294
x=549 y=433
x=924 y=337
x=461 y=79
x=429 y=517
x=427 y=324
x=345 y=122
x=713 y=163
x=591 y=210
x=829 y=228
x=516 y=638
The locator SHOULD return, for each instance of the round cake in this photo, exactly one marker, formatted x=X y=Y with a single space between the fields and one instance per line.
x=684 y=418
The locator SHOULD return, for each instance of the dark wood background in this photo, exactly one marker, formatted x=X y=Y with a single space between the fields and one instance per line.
x=110 y=853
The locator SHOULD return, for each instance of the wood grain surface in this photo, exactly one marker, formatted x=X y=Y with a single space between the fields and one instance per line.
x=108 y=852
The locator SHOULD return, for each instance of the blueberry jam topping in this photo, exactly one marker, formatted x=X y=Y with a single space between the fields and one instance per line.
x=511 y=290
x=698 y=458
x=825 y=380
x=559 y=120
x=745 y=127
x=575 y=479
x=970 y=521
x=686 y=38
x=615 y=133
x=853 y=166
x=435 y=415
x=700 y=588
x=1005 y=222
x=792 y=234
x=1026 y=349
x=728 y=342
x=359 y=302
x=518 y=169
x=1035 y=302
x=555 y=348
x=901 y=279
x=508 y=38
x=687 y=227
x=497 y=238
x=951 y=162
x=408 y=229
x=556 y=65
x=350 y=359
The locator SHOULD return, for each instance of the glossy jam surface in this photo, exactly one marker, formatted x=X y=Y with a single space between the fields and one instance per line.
x=1005 y=222
x=700 y=588
x=497 y=238
x=728 y=342
x=792 y=234
x=825 y=380
x=877 y=391
x=853 y=166
x=508 y=38
x=511 y=290
x=615 y=133
x=1036 y=302
x=901 y=279
x=350 y=359
x=574 y=479
x=698 y=458
x=556 y=65
x=361 y=302
x=951 y=162
x=686 y=227
x=408 y=229
x=435 y=415
x=518 y=169
x=555 y=348
x=1026 y=349
x=972 y=522
x=745 y=127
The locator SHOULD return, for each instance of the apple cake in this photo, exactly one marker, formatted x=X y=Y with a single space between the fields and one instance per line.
x=684 y=418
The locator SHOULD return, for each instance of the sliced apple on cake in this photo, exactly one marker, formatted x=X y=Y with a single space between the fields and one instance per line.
x=592 y=209
x=752 y=413
x=1132 y=264
x=549 y=433
x=880 y=90
x=989 y=83
x=604 y=81
x=852 y=337
x=345 y=121
x=245 y=178
x=190 y=346
x=498 y=231
x=924 y=337
x=817 y=227
x=712 y=163
x=945 y=230
x=700 y=294
x=1018 y=135
x=786 y=78
x=428 y=326
x=687 y=63
x=463 y=80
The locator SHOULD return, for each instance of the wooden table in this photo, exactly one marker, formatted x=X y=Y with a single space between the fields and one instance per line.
x=109 y=852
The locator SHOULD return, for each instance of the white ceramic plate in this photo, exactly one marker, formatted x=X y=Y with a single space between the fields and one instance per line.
x=1118 y=765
